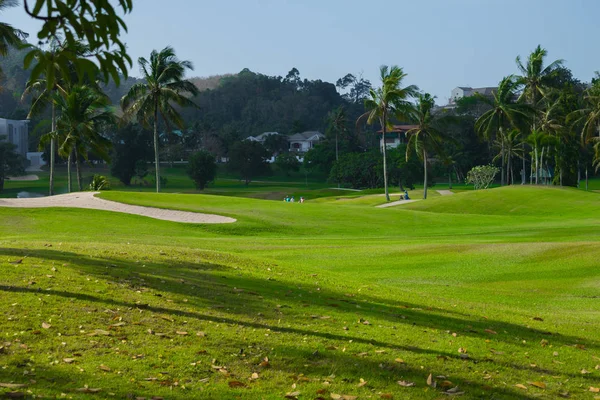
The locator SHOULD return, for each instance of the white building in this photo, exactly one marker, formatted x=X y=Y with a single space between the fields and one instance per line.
x=396 y=136
x=16 y=132
x=303 y=142
x=463 y=91
x=261 y=138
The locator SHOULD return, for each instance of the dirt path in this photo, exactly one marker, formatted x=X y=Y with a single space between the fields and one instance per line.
x=24 y=178
x=396 y=203
x=89 y=201
x=445 y=192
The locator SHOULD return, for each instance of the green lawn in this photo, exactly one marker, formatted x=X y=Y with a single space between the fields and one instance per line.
x=483 y=290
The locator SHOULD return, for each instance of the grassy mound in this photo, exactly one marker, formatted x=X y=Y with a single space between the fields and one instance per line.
x=516 y=200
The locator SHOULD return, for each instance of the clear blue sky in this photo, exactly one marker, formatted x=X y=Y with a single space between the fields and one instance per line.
x=441 y=44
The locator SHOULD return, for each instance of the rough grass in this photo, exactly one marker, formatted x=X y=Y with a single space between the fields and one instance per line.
x=309 y=297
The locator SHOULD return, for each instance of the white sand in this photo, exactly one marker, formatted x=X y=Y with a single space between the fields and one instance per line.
x=24 y=178
x=396 y=203
x=89 y=201
x=445 y=192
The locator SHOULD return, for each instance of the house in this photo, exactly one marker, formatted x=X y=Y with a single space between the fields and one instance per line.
x=303 y=142
x=396 y=136
x=463 y=91
x=261 y=138
x=16 y=132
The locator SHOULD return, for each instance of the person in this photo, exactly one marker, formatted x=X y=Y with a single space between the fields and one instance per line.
x=406 y=195
x=293 y=200
x=301 y=199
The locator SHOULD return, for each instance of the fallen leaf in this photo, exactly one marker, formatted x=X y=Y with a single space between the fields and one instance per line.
x=521 y=386
x=585 y=371
x=104 y=368
x=254 y=376
x=292 y=395
x=387 y=396
x=431 y=382
x=594 y=389
x=99 y=332
x=89 y=390
x=540 y=385
x=491 y=332
x=69 y=360
x=362 y=382
x=118 y=324
x=233 y=384
x=455 y=391
x=200 y=334
x=46 y=325
x=399 y=360
x=16 y=261
x=406 y=383
x=462 y=350
x=182 y=333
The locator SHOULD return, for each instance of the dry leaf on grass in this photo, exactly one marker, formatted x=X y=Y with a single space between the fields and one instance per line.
x=104 y=368
x=406 y=383
x=46 y=325
x=89 y=390
x=540 y=385
x=233 y=384
x=431 y=382
x=69 y=360
x=12 y=385
x=362 y=382
x=521 y=386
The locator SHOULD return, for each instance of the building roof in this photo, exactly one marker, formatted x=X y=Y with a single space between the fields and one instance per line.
x=307 y=135
x=261 y=137
x=486 y=91
x=465 y=88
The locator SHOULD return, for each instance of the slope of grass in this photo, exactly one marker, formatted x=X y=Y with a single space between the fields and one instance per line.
x=303 y=300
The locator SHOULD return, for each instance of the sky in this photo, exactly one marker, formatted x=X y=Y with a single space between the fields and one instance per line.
x=440 y=44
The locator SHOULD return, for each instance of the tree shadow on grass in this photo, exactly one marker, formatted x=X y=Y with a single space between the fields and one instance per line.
x=218 y=285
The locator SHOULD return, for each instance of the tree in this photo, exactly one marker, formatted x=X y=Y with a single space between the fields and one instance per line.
x=163 y=88
x=427 y=136
x=537 y=140
x=132 y=148
x=359 y=87
x=95 y=24
x=287 y=162
x=202 y=168
x=83 y=113
x=510 y=146
x=358 y=170
x=482 y=176
x=505 y=113
x=537 y=80
x=390 y=100
x=276 y=144
x=337 y=126
x=248 y=159
x=9 y=35
x=11 y=163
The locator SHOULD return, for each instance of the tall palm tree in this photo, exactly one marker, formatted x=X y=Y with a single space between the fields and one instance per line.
x=537 y=79
x=505 y=113
x=164 y=87
x=510 y=146
x=390 y=100
x=537 y=140
x=83 y=114
x=427 y=136
x=337 y=125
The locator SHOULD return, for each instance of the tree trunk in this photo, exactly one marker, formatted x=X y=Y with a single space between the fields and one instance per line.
x=578 y=175
x=502 y=157
x=156 y=159
x=385 y=180
x=336 y=153
x=1 y=183
x=586 y=178
x=537 y=166
x=523 y=179
x=531 y=173
x=450 y=180
x=69 y=172
x=425 y=176
x=509 y=180
x=51 y=191
x=541 y=162
x=78 y=169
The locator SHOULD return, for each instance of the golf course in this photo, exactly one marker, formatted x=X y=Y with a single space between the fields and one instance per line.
x=490 y=294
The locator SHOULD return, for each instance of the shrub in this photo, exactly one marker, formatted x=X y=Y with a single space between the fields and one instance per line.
x=482 y=176
x=202 y=168
x=99 y=182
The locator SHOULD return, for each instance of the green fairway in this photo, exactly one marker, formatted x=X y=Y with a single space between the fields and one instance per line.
x=495 y=292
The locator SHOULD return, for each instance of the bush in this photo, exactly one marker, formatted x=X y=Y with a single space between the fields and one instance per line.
x=163 y=180
x=286 y=163
x=202 y=168
x=99 y=182
x=482 y=176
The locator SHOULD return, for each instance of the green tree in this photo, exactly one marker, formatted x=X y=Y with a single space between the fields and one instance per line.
x=131 y=150
x=510 y=146
x=202 y=168
x=386 y=102
x=249 y=159
x=427 y=136
x=164 y=87
x=505 y=113
x=287 y=162
x=336 y=126
x=96 y=24
x=83 y=113
x=9 y=35
x=11 y=163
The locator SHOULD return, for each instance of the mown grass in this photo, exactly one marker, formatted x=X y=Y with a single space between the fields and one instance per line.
x=310 y=297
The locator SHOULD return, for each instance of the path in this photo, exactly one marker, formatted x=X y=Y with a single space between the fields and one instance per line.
x=89 y=201
x=396 y=203
x=445 y=192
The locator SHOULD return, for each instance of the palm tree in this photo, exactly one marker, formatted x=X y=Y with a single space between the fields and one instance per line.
x=505 y=113
x=163 y=88
x=390 y=100
x=537 y=140
x=427 y=136
x=536 y=80
x=9 y=36
x=337 y=124
x=510 y=146
x=84 y=112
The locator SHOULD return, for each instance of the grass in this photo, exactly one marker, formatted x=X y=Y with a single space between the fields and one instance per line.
x=484 y=290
